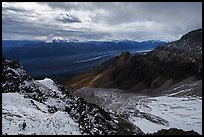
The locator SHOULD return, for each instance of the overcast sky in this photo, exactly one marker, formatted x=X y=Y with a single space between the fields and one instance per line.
x=100 y=20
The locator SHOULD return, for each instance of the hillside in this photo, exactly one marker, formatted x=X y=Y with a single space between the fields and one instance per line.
x=47 y=108
x=153 y=72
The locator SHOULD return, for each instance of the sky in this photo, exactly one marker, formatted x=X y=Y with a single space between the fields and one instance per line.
x=102 y=21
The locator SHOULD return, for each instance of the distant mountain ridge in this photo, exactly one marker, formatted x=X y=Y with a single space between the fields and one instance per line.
x=8 y=44
x=62 y=47
x=166 y=65
x=65 y=58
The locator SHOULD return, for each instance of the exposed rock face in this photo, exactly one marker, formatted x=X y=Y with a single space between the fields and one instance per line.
x=185 y=54
x=15 y=78
x=173 y=62
x=174 y=131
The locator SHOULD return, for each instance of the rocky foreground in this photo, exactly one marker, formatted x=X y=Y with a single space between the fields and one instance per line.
x=46 y=108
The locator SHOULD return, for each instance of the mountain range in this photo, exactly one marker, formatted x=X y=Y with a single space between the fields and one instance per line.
x=111 y=98
x=65 y=58
x=153 y=72
x=62 y=47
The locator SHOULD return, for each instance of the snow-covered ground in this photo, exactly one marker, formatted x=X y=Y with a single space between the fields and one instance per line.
x=180 y=112
x=150 y=114
x=51 y=90
x=48 y=111
x=17 y=109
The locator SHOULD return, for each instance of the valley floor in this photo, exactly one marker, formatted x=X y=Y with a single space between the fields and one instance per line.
x=150 y=114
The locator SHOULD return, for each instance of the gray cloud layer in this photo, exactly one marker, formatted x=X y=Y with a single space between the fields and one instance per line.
x=100 y=20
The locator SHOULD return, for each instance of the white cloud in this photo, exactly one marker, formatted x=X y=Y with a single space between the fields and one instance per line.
x=105 y=21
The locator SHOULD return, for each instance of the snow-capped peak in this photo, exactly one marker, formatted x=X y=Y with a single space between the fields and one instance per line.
x=49 y=83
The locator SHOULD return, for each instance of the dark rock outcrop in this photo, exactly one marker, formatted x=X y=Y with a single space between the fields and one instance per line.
x=174 y=131
x=15 y=78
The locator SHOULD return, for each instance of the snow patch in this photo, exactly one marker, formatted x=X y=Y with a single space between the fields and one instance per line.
x=181 y=112
x=16 y=109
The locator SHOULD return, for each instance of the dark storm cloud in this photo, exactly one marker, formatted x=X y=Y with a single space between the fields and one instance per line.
x=66 y=18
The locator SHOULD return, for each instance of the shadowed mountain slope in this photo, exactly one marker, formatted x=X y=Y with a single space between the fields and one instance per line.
x=152 y=72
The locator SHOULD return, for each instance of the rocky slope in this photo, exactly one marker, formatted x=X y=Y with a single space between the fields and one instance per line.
x=15 y=78
x=150 y=114
x=153 y=72
x=47 y=108
x=174 y=131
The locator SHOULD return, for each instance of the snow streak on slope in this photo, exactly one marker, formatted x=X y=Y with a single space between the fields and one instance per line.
x=18 y=109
